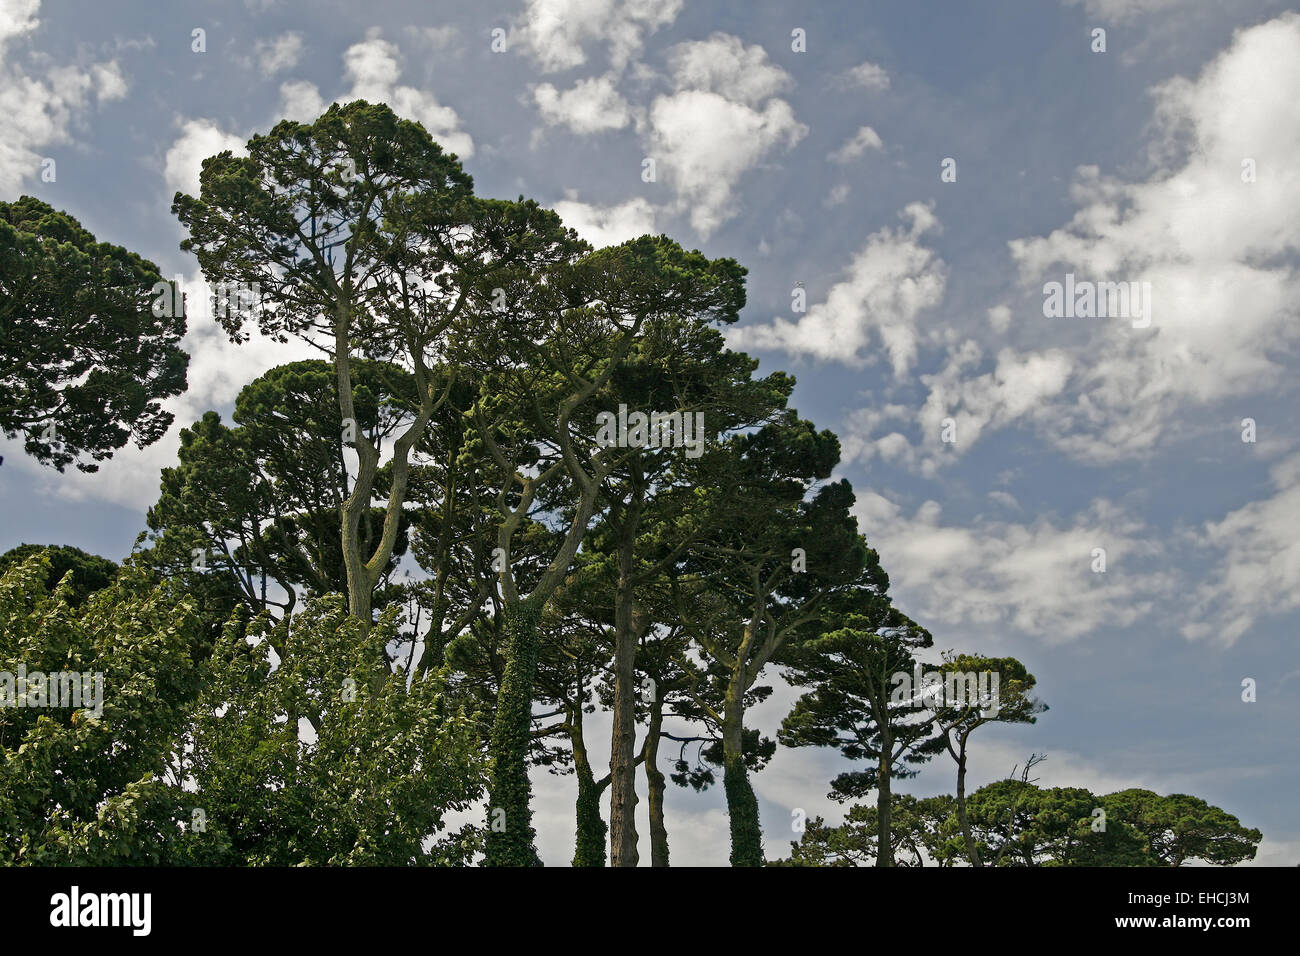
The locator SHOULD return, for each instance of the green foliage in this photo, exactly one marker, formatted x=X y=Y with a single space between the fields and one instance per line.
x=310 y=761
x=84 y=362
x=81 y=789
x=922 y=831
x=1180 y=828
x=90 y=572
x=1019 y=824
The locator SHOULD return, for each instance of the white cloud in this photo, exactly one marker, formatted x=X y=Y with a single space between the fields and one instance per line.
x=1213 y=247
x=608 y=225
x=36 y=113
x=712 y=130
x=280 y=53
x=1020 y=386
x=199 y=139
x=18 y=17
x=864 y=139
x=555 y=31
x=722 y=64
x=1218 y=253
x=869 y=76
x=374 y=67
x=891 y=280
x=838 y=194
x=301 y=101
x=593 y=105
x=1258 y=573
x=1035 y=577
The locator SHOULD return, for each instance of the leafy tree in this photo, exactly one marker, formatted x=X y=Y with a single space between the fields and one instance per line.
x=652 y=510
x=85 y=359
x=78 y=787
x=1179 y=828
x=562 y=342
x=306 y=761
x=90 y=572
x=745 y=595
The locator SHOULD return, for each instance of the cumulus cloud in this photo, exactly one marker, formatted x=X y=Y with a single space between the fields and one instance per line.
x=1217 y=248
x=374 y=68
x=301 y=101
x=555 y=32
x=722 y=64
x=891 y=280
x=1036 y=577
x=38 y=112
x=715 y=127
x=198 y=139
x=593 y=105
x=608 y=225
x=864 y=139
x=279 y=53
x=1212 y=244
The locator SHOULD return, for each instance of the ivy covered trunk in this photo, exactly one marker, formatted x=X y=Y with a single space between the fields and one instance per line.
x=589 y=845
x=742 y=804
x=510 y=827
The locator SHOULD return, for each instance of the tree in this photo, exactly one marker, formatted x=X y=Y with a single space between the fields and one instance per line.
x=81 y=776
x=539 y=370
x=372 y=780
x=1019 y=824
x=261 y=500
x=855 y=706
x=359 y=235
x=920 y=829
x=90 y=572
x=1179 y=828
x=961 y=717
x=761 y=583
x=86 y=359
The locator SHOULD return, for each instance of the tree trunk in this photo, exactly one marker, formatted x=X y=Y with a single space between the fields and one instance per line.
x=655 y=784
x=884 y=845
x=742 y=804
x=622 y=769
x=589 y=842
x=510 y=830
x=963 y=818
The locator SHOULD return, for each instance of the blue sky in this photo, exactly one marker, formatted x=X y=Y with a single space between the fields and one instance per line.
x=924 y=304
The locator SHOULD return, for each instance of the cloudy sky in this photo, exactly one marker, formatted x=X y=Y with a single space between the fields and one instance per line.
x=916 y=173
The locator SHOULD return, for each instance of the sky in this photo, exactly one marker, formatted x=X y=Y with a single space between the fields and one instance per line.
x=904 y=183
